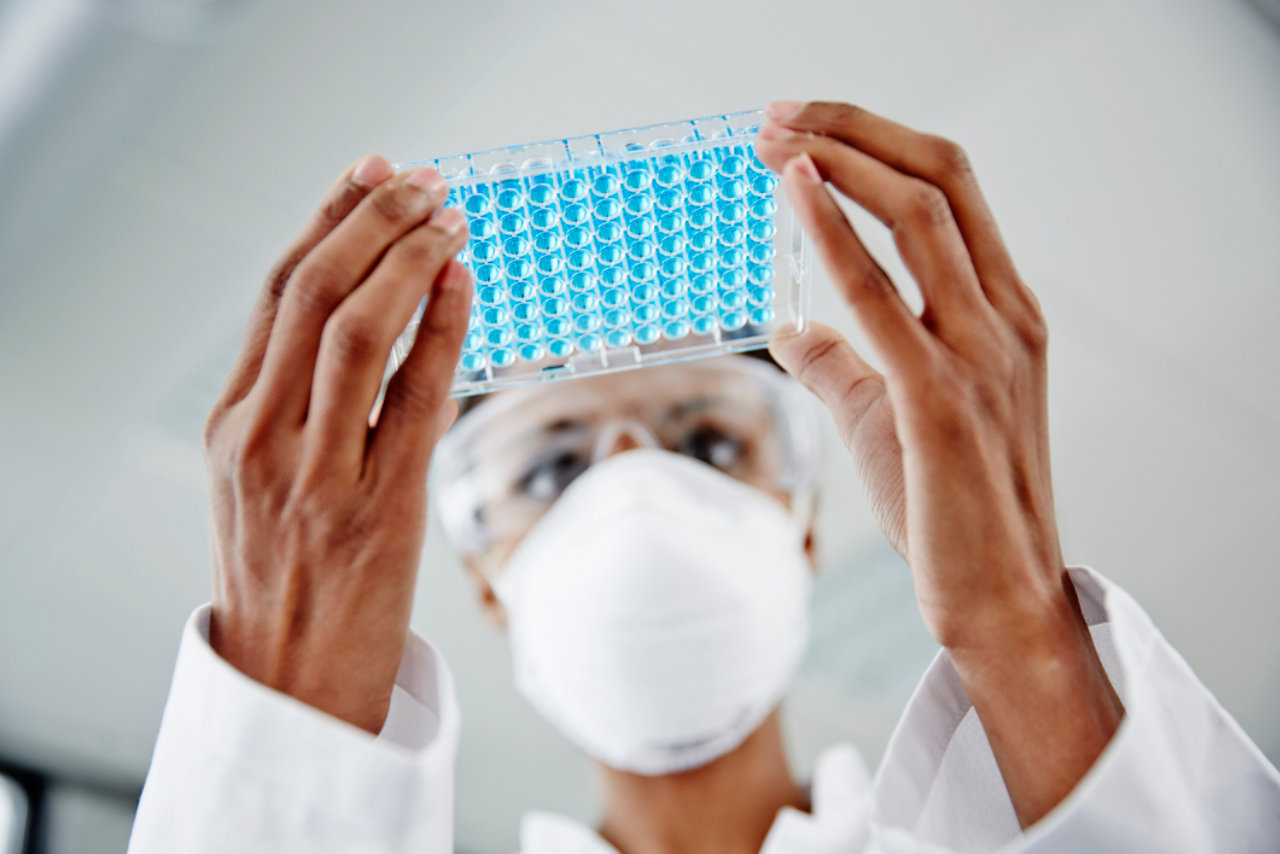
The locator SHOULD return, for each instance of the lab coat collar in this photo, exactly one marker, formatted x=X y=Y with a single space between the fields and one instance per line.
x=838 y=823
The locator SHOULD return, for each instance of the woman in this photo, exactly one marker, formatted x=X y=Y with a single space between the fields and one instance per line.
x=654 y=581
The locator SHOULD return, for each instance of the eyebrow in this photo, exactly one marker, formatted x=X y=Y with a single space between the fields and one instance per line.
x=560 y=425
x=692 y=407
x=569 y=425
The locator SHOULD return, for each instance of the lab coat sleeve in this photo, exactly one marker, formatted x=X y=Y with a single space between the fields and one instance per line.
x=240 y=767
x=1179 y=774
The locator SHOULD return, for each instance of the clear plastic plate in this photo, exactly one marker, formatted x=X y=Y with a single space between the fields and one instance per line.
x=619 y=250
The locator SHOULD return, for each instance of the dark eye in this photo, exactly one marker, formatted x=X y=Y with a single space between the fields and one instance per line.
x=712 y=446
x=550 y=475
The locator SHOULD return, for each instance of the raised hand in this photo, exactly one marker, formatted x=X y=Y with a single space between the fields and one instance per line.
x=319 y=517
x=952 y=441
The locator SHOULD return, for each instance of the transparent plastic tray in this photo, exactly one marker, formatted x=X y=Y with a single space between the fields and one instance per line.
x=618 y=250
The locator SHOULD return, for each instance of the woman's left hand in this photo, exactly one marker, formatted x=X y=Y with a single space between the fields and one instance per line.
x=952 y=441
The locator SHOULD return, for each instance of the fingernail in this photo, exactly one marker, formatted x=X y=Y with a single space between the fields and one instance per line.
x=806 y=167
x=426 y=178
x=783 y=109
x=775 y=132
x=371 y=171
x=450 y=220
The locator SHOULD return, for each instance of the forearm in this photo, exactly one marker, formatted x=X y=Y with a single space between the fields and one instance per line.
x=239 y=766
x=1045 y=702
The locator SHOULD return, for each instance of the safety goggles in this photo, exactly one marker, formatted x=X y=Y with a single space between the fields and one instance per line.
x=506 y=462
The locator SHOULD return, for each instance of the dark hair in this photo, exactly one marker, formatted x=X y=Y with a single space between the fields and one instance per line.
x=466 y=404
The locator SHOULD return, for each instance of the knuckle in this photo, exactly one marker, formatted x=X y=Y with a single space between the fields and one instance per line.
x=837 y=114
x=449 y=327
x=414 y=399
x=927 y=206
x=1029 y=322
x=421 y=249
x=278 y=278
x=336 y=207
x=249 y=454
x=875 y=282
x=352 y=338
x=435 y=324
x=319 y=286
x=1034 y=333
x=950 y=160
x=853 y=395
x=332 y=212
x=396 y=204
x=866 y=281
x=210 y=432
x=815 y=353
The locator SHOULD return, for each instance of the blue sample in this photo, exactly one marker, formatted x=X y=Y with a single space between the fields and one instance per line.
x=635 y=239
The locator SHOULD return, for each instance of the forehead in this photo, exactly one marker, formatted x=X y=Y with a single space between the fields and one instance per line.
x=621 y=393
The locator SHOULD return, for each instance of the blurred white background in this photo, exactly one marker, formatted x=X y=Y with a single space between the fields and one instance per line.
x=155 y=156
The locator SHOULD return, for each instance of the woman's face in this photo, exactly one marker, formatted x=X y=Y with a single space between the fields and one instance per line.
x=518 y=451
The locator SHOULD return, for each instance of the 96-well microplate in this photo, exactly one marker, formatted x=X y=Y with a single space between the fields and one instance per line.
x=623 y=249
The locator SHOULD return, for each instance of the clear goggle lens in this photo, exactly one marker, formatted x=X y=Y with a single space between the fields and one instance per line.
x=506 y=462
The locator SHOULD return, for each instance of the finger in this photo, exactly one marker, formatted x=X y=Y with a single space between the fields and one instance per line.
x=931 y=158
x=415 y=412
x=338 y=202
x=448 y=412
x=828 y=366
x=918 y=215
x=328 y=275
x=357 y=338
x=885 y=319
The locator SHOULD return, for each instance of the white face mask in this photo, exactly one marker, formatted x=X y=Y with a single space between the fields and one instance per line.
x=658 y=611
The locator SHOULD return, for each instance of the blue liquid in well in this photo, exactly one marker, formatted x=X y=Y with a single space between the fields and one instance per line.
x=670 y=246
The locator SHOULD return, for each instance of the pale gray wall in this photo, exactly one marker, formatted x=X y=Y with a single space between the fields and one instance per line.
x=1128 y=149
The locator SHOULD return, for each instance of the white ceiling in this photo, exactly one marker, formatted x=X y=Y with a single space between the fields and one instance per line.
x=1129 y=150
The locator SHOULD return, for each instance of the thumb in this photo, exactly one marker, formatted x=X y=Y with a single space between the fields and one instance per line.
x=828 y=366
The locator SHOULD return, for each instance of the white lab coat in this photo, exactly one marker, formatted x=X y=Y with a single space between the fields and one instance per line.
x=239 y=767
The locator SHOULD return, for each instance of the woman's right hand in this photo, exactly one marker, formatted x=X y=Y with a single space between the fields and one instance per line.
x=319 y=517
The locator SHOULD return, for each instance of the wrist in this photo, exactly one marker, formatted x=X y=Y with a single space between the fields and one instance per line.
x=1034 y=624
x=1044 y=700
x=316 y=669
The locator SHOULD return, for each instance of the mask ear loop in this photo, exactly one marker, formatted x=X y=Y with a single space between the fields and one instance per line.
x=496 y=578
x=803 y=508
